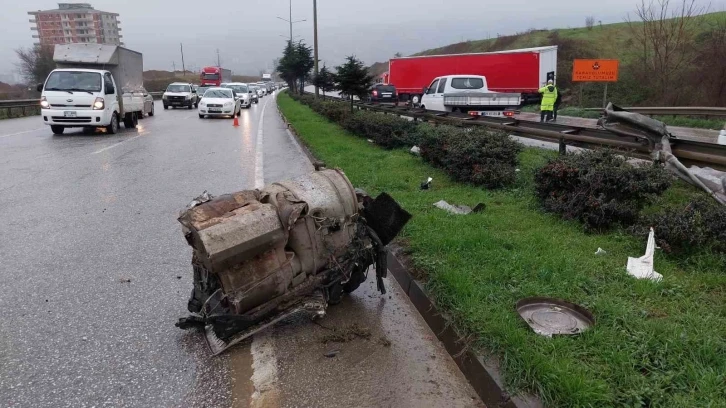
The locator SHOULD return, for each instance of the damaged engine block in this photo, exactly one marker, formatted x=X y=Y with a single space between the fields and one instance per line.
x=262 y=255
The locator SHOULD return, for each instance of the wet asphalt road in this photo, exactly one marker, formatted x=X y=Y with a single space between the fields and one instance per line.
x=95 y=272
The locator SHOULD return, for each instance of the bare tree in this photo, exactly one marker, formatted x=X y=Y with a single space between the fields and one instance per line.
x=35 y=63
x=589 y=22
x=664 y=37
x=709 y=71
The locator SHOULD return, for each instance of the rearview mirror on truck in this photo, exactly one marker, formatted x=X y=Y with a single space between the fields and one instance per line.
x=39 y=87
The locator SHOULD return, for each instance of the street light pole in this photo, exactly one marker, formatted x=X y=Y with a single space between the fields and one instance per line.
x=315 y=43
x=290 y=21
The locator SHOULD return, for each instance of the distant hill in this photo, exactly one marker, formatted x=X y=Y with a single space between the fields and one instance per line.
x=617 y=41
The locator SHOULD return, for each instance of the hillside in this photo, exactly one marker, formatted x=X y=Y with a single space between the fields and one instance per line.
x=706 y=50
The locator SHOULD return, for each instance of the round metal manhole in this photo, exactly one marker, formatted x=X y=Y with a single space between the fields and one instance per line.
x=548 y=317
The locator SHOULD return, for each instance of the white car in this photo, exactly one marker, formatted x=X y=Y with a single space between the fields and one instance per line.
x=243 y=92
x=218 y=102
x=262 y=87
x=258 y=90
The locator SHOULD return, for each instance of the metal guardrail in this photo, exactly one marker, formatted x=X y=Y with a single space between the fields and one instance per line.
x=674 y=111
x=687 y=151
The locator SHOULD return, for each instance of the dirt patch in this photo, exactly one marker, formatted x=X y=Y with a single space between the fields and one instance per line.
x=346 y=334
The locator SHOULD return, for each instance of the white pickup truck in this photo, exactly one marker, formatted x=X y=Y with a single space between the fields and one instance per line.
x=468 y=94
x=95 y=86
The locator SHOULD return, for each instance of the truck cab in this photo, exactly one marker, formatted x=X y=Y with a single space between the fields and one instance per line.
x=78 y=94
x=468 y=94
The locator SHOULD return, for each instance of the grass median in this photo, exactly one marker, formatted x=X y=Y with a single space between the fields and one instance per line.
x=654 y=344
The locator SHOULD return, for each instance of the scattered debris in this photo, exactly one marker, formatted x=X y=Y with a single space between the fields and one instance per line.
x=178 y=277
x=642 y=268
x=517 y=170
x=426 y=184
x=370 y=141
x=600 y=251
x=84 y=338
x=331 y=353
x=346 y=334
x=547 y=316
x=291 y=247
x=459 y=209
x=416 y=151
x=125 y=280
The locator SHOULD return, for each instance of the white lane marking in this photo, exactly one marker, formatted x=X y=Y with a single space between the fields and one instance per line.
x=264 y=370
x=24 y=132
x=117 y=144
x=259 y=154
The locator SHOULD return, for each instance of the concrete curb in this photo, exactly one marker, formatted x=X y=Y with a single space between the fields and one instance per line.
x=482 y=373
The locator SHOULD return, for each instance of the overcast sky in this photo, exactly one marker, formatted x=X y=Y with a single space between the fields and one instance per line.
x=248 y=34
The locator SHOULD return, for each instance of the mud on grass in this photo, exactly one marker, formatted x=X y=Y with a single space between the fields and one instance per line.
x=654 y=344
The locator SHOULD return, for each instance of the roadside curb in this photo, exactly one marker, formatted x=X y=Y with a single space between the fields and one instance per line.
x=481 y=372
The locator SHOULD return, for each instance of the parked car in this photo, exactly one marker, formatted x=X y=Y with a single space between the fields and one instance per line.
x=219 y=102
x=243 y=92
x=255 y=94
x=383 y=93
x=181 y=95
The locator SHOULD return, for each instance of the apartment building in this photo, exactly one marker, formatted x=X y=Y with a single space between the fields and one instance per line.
x=75 y=23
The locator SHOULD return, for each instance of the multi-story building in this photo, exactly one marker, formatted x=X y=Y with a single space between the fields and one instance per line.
x=75 y=23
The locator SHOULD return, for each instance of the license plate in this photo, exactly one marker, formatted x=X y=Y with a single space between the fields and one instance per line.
x=69 y=114
x=215 y=110
x=386 y=95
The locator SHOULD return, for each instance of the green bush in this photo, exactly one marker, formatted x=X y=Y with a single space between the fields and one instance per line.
x=699 y=225
x=388 y=131
x=598 y=188
x=482 y=157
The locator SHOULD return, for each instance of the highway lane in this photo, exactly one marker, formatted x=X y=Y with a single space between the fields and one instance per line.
x=95 y=272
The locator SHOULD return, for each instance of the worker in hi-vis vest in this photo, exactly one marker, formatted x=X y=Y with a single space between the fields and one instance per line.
x=549 y=96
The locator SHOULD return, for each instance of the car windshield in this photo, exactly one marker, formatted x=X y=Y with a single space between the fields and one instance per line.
x=201 y=90
x=210 y=76
x=178 y=88
x=218 y=93
x=239 y=88
x=254 y=88
x=386 y=88
x=467 y=83
x=74 y=81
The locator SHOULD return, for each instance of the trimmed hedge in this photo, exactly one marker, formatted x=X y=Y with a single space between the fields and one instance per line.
x=598 y=188
x=478 y=156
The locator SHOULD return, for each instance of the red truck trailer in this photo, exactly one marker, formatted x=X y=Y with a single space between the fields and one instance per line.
x=214 y=76
x=520 y=71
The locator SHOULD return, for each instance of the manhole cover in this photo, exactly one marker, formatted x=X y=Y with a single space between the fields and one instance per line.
x=548 y=316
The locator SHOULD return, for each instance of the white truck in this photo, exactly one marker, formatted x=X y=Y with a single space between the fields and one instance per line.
x=94 y=86
x=468 y=94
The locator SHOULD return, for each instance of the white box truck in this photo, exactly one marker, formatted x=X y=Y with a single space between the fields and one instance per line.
x=94 y=86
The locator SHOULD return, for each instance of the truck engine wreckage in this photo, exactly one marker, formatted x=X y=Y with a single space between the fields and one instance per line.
x=260 y=256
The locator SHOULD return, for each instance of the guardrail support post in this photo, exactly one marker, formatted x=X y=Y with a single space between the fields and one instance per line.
x=563 y=147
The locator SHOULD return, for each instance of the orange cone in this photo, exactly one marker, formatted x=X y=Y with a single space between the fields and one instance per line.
x=236 y=121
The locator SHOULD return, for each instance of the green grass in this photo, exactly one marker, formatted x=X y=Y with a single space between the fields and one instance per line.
x=654 y=344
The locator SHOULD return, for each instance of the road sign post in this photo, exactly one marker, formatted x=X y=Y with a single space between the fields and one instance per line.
x=594 y=70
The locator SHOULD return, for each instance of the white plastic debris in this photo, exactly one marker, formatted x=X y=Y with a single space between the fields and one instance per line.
x=600 y=251
x=459 y=209
x=370 y=140
x=517 y=170
x=642 y=268
x=415 y=151
x=722 y=137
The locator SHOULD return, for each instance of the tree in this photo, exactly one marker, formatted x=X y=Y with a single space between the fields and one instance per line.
x=664 y=38
x=589 y=22
x=325 y=80
x=35 y=63
x=353 y=79
x=295 y=65
x=397 y=55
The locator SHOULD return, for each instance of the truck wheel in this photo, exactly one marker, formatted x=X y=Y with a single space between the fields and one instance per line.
x=415 y=100
x=57 y=130
x=128 y=120
x=112 y=127
x=151 y=112
x=135 y=119
x=166 y=106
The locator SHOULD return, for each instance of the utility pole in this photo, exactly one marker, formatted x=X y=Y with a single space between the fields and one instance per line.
x=173 y=64
x=184 y=68
x=315 y=43
x=219 y=65
x=290 y=21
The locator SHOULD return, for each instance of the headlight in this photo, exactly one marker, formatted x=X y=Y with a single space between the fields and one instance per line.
x=227 y=104
x=98 y=104
x=164 y=96
x=44 y=103
x=188 y=97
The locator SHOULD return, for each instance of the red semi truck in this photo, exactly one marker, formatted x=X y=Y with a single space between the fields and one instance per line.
x=214 y=76
x=515 y=71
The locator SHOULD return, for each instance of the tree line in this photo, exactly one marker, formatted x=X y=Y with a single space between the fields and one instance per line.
x=295 y=67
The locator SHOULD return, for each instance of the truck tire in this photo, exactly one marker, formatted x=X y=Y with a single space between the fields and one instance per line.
x=166 y=106
x=151 y=112
x=57 y=130
x=129 y=120
x=112 y=127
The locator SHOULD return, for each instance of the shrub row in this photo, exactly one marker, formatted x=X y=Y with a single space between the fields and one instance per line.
x=477 y=156
x=599 y=188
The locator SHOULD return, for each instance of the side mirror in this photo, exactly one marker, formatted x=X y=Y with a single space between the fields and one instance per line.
x=39 y=87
